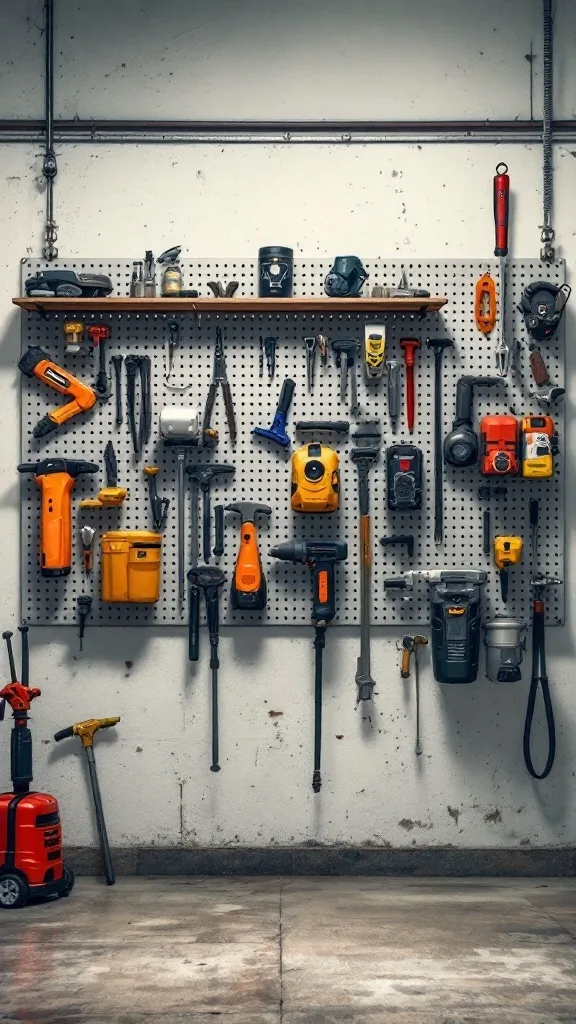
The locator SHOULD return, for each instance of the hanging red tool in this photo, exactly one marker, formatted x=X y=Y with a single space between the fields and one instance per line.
x=501 y=215
x=409 y=347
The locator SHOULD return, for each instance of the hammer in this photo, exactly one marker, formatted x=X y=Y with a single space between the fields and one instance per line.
x=202 y=476
x=86 y=730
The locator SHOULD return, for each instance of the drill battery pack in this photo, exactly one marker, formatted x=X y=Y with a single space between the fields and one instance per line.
x=455 y=620
x=131 y=562
x=500 y=446
x=315 y=479
x=539 y=446
x=404 y=478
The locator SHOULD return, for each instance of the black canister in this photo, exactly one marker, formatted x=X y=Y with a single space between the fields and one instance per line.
x=275 y=272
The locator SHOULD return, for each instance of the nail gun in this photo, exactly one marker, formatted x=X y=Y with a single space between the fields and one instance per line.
x=82 y=397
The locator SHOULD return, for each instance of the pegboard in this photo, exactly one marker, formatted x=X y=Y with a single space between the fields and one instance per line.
x=263 y=469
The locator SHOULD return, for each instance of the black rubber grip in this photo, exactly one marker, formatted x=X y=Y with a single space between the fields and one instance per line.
x=64 y=733
x=337 y=426
x=286 y=396
x=218 y=549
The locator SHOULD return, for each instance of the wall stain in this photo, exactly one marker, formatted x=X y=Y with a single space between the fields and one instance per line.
x=408 y=824
x=454 y=813
x=275 y=714
x=493 y=816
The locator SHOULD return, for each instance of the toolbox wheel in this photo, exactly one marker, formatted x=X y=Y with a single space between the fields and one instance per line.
x=69 y=876
x=13 y=892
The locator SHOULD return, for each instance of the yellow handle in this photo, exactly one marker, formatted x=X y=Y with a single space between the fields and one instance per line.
x=85 y=730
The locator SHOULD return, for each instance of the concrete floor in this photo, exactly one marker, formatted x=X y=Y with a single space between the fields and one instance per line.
x=294 y=951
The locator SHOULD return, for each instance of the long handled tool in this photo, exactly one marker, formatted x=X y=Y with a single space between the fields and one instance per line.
x=364 y=458
x=321 y=557
x=85 y=731
x=410 y=645
x=410 y=346
x=501 y=215
x=539 y=678
x=209 y=579
x=438 y=345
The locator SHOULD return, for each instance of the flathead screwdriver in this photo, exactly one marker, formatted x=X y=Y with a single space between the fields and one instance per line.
x=534 y=517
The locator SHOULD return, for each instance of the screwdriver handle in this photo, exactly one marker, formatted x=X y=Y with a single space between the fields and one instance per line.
x=534 y=511
x=501 y=209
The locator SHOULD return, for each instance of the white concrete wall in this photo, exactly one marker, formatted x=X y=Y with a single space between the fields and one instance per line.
x=182 y=60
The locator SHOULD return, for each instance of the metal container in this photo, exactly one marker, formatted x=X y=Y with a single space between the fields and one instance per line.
x=505 y=643
x=275 y=272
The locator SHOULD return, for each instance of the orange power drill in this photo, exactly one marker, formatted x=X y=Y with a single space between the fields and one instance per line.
x=36 y=363
x=56 y=479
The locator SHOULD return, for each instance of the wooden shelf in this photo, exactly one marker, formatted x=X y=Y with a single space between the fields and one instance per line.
x=233 y=306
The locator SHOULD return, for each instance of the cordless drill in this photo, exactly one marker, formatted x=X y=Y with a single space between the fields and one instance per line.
x=321 y=556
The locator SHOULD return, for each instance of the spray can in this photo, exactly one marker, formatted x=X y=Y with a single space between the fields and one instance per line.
x=505 y=643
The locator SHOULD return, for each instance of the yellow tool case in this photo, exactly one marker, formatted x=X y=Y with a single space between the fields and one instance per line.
x=131 y=566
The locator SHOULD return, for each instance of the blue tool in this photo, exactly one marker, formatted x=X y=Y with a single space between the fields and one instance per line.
x=277 y=432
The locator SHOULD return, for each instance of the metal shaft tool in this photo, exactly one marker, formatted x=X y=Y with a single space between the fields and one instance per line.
x=204 y=474
x=364 y=458
x=220 y=377
x=117 y=365
x=438 y=345
x=345 y=351
x=410 y=645
x=85 y=731
x=158 y=506
x=501 y=215
x=311 y=348
x=534 y=517
x=209 y=579
x=410 y=346
x=172 y=344
x=393 y=369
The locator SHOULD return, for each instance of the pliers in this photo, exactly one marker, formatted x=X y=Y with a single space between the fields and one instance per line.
x=219 y=376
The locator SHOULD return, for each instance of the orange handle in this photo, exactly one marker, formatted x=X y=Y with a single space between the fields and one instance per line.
x=485 y=304
x=405 y=669
x=55 y=523
x=248 y=574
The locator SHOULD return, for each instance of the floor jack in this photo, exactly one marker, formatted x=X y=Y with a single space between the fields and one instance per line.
x=31 y=864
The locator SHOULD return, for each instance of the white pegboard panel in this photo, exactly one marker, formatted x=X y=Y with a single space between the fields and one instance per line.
x=263 y=469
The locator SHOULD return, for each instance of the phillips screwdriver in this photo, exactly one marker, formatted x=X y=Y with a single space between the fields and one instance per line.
x=409 y=346
x=501 y=216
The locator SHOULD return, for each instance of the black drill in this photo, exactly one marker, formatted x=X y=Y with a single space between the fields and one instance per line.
x=321 y=556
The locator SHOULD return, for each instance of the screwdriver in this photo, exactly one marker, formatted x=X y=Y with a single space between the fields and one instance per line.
x=501 y=213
